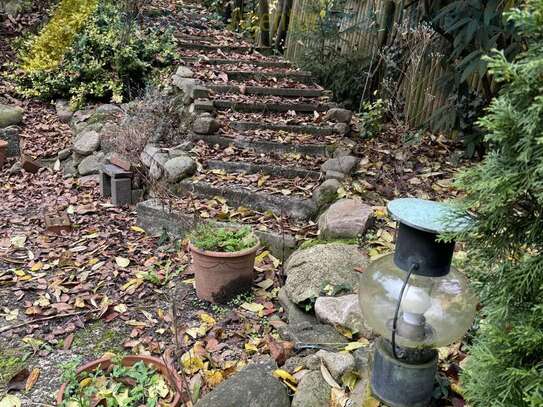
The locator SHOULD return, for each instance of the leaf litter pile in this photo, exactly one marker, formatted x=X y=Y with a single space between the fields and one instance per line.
x=106 y=280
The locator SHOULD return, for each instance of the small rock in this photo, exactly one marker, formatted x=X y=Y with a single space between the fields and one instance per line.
x=11 y=135
x=30 y=165
x=362 y=361
x=280 y=350
x=15 y=168
x=178 y=168
x=87 y=179
x=293 y=363
x=91 y=164
x=63 y=111
x=311 y=269
x=358 y=394
x=313 y=391
x=312 y=362
x=342 y=151
x=254 y=386
x=343 y=164
x=202 y=105
x=335 y=175
x=346 y=218
x=299 y=375
x=311 y=334
x=326 y=193
x=147 y=154
x=294 y=313
x=109 y=109
x=185 y=84
x=64 y=154
x=343 y=311
x=339 y=115
x=10 y=115
x=87 y=143
x=338 y=363
x=206 y=125
x=184 y=72
x=342 y=128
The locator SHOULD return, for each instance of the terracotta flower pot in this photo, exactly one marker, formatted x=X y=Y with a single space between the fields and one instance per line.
x=3 y=152
x=220 y=276
x=169 y=373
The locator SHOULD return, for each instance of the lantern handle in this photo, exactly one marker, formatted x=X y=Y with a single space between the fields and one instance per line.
x=413 y=268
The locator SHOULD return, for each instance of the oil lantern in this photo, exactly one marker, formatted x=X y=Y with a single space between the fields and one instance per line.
x=416 y=302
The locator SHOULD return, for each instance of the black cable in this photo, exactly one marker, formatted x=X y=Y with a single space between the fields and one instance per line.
x=413 y=267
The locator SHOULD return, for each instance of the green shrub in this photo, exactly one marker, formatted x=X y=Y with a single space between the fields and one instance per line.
x=109 y=59
x=505 y=192
x=46 y=50
x=208 y=237
x=372 y=116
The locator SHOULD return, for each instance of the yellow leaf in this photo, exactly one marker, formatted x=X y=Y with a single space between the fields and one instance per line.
x=213 y=377
x=37 y=266
x=79 y=302
x=191 y=363
x=260 y=258
x=349 y=380
x=208 y=319
x=32 y=379
x=253 y=307
x=137 y=229
x=283 y=374
x=250 y=347
x=346 y=332
x=19 y=273
x=361 y=343
x=85 y=382
x=122 y=261
x=368 y=400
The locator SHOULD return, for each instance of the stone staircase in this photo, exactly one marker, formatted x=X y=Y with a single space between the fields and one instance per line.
x=270 y=145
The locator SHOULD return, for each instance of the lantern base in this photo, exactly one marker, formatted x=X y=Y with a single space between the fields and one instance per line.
x=400 y=384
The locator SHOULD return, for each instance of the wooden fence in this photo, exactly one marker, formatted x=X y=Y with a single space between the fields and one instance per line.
x=367 y=26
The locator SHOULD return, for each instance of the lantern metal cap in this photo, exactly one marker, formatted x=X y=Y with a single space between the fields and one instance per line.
x=427 y=216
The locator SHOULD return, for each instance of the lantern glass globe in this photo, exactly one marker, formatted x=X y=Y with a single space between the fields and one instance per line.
x=434 y=311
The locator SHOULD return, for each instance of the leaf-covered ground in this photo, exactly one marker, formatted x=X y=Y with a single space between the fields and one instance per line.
x=106 y=286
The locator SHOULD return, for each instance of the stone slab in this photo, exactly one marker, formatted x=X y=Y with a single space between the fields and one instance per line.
x=155 y=217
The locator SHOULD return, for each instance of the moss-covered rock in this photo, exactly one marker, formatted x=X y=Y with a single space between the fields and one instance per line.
x=11 y=361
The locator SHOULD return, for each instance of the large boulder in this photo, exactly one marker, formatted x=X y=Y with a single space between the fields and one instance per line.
x=10 y=115
x=87 y=142
x=254 y=386
x=346 y=218
x=309 y=270
x=313 y=391
x=179 y=167
x=342 y=311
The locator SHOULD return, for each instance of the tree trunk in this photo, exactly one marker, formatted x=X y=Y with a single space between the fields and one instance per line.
x=264 y=22
x=276 y=19
x=283 y=25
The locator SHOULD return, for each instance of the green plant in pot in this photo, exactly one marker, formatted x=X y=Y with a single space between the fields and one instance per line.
x=223 y=261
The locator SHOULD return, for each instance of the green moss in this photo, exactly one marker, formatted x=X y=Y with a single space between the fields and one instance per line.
x=11 y=361
x=96 y=339
x=314 y=242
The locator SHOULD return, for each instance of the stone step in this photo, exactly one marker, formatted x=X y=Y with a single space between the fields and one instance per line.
x=267 y=91
x=302 y=129
x=271 y=107
x=265 y=146
x=155 y=218
x=220 y=61
x=224 y=48
x=251 y=168
x=284 y=206
x=297 y=76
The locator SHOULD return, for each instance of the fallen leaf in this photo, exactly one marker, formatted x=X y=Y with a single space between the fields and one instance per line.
x=361 y=343
x=32 y=379
x=328 y=377
x=122 y=261
x=10 y=400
